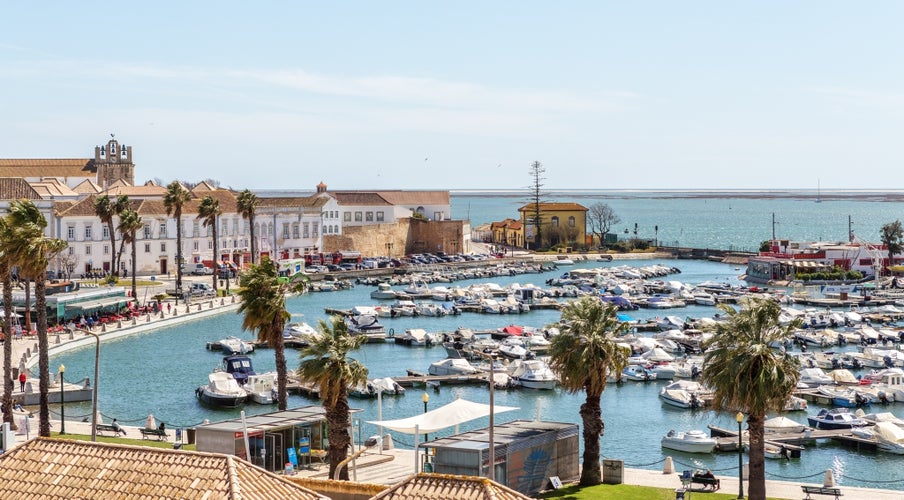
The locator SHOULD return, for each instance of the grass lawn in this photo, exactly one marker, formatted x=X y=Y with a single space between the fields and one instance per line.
x=120 y=440
x=626 y=492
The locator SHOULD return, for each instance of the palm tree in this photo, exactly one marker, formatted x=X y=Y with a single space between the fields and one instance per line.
x=33 y=252
x=5 y=243
x=583 y=355
x=891 y=235
x=247 y=204
x=749 y=376
x=325 y=362
x=208 y=212
x=129 y=224
x=264 y=305
x=175 y=198
x=106 y=209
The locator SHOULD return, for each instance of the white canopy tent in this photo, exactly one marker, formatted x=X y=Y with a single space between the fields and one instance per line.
x=452 y=414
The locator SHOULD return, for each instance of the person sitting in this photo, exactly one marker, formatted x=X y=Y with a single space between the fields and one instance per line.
x=161 y=427
x=117 y=428
x=708 y=474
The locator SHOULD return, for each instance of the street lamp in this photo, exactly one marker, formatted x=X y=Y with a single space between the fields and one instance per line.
x=740 y=419
x=94 y=396
x=426 y=399
x=491 y=473
x=62 y=401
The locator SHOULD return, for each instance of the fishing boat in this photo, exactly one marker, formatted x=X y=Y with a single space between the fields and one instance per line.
x=694 y=441
x=384 y=292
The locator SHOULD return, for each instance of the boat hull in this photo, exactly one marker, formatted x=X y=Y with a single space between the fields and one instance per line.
x=218 y=400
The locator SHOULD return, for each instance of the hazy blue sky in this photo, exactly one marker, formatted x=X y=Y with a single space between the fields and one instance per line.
x=398 y=94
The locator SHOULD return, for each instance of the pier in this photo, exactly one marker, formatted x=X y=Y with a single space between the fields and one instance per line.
x=794 y=441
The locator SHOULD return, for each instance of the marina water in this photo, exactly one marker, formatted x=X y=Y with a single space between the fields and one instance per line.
x=157 y=372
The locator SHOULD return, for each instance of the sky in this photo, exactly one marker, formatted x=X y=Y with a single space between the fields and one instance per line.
x=464 y=95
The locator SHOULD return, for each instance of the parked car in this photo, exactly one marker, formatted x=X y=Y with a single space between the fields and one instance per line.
x=201 y=270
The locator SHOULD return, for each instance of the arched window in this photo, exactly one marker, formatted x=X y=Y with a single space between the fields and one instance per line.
x=571 y=221
x=555 y=220
x=420 y=210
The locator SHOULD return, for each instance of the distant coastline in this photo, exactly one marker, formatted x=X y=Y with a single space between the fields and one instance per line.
x=758 y=194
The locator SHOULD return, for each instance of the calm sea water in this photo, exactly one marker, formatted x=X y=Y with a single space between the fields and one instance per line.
x=738 y=221
x=157 y=372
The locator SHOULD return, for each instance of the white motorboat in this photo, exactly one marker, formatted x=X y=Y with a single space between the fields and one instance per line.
x=637 y=373
x=533 y=374
x=261 y=388
x=418 y=337
x=222 y=390
x=779 y=425
x=452 y=366
x=403 y=308
x=875 y=418
x=429 y=309
x=704 y=299
x=232 y=345
x=417 y=288
x=564 y=261
x=387 y=386
x=514 y=351
x=814 y=377
x=384 y=292
x=366 y=325
x=683 y=394
x=694 y=441
x=299 y=334
x=889 y=437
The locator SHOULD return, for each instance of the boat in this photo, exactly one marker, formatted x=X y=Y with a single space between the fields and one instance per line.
x=845 y=397
x=452 y=366
x=429 y=309
x=533 y=374
x=683 y=394
x=694 y=441
x=366 y=325
x=299 y=334
x=221 y=391
x=514 y=351
x=403 y=307
x=638 y=373
x=836 y=418
x=238 y=367
x=704 y=299
x=889 y=437
x=778 y=425
x=232 y=345
x=417 y=337
x=814 y=377
x=261 y=388
x=384 y=292
x=563 y=261
x=387 y=386
x=874 y=418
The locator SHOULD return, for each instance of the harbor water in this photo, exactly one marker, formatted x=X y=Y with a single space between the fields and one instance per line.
x=157 y=373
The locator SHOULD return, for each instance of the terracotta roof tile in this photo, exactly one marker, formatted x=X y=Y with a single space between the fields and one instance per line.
x=349 y=198
x=445 y=486
x=15 y=188
x=57 y=468
x=552 y=207
x=71 y=167
x=416 y=197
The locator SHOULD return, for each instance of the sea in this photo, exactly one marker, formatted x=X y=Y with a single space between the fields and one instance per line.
x=157 y=372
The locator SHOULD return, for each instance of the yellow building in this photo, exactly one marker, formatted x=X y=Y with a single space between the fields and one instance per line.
x=559 y=224
x=508 y=232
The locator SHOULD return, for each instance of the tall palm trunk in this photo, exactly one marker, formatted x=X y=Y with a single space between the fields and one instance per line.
x=591 y=416
x=337 y=420
x=253 y=246
x=27 y=302
x=43 y=355
x=179 y=257
x=134 y=265
x=756 y=486
x=7 y=405
x=216 y=259
x=282 y=377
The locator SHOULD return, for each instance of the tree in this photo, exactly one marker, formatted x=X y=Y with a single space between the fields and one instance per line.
x=537 y=197
x=263 y=297
x=601 y=218
x=208 y=212
x=33 y=252
x=247 y=204
x=583 y=355
x=892 y=235
x=325 y=362
x=129 y=224
x=106 y=210
x=749 y=376
x=5 y=244
x=175 y=198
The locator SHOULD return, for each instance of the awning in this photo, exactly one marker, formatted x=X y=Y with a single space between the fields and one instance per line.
x=98 y=304
x=450 y=415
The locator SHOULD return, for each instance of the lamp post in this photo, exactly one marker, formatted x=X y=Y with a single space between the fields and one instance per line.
x=740 y=419
x=94 y=396
x=491 y=473
x=426 y=399
x=62 y=401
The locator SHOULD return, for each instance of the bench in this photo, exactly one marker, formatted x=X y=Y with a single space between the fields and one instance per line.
x=821 y=490
x=155 y=433
x=706 y=481
x=101 y=428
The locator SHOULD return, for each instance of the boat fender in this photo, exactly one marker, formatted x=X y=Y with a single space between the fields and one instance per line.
x=392 y=332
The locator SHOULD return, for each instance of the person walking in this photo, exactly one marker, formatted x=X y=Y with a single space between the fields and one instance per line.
x=22 y=379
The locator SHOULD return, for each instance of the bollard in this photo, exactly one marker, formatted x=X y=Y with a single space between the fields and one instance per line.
x=103 y=328
x=149 y=318
x=199 y=307
x=222 y=302
x=669 y=467
x=57 y=339
x=175 y=312
x=119 y=323
x=134 y=321
x=71 y=335
x=829 y=480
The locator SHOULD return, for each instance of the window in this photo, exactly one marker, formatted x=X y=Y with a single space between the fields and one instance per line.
x=358 y=217
x=380 y=216
x=105 y=232
x=87 y=249
x=369 y=216
x=327 y=229
x=226 y=226
x=314 y=229
x=571 y=221
x=295 y=231
x=335 y=229
x=437 y=216
x=555 y=220
x=210 y=245
x=147 y=231
x=285 y=230
x=304 y=229
x=147 y=248
x=195 y=247
x=195 y=229
x=162 y=231
x=71 y=251
x=88 y=233
x=163 y=247
x=347 y=216
x=106 y=249
x=70 y=233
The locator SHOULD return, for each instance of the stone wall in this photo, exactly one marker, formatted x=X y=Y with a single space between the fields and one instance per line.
x=404 y=237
